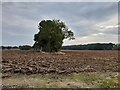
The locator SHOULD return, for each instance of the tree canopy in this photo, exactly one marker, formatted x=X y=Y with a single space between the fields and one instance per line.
x=51 y=35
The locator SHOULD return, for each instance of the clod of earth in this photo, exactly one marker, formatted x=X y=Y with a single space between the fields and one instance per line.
x=65 y=62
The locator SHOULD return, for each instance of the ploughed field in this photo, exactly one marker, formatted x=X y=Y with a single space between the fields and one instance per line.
x=64 y=62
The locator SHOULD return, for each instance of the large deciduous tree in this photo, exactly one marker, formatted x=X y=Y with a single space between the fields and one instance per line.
x=51 y=35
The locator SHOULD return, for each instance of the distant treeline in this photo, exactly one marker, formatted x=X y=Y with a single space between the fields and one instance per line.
x=9 y=47
x=24 y=47
x=95 y=46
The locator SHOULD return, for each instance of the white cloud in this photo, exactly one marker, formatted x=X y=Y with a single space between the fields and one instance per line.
x=97 y=34
x=94 y=38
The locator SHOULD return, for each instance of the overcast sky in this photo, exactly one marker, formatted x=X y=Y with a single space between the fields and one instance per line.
x=91 y=22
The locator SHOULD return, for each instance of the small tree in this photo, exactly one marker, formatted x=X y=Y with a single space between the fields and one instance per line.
x=51 y=35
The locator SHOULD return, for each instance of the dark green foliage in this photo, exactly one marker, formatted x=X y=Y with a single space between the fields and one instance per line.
x=3 y=47
x=95 y=46
x=51 y=35
x=6 y=47
x=116 y=47
x=9 y=47
x=25 y=47
x=14 y=47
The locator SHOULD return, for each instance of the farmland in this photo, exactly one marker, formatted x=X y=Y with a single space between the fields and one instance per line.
x=70 y=68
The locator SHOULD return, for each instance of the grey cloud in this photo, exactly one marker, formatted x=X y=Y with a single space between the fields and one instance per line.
x=83 y=10
x=22 y=18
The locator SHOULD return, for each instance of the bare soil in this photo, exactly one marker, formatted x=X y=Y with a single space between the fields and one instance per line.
x=65 y=62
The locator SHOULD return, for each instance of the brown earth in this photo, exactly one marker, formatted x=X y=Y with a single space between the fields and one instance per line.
x=65 y=62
